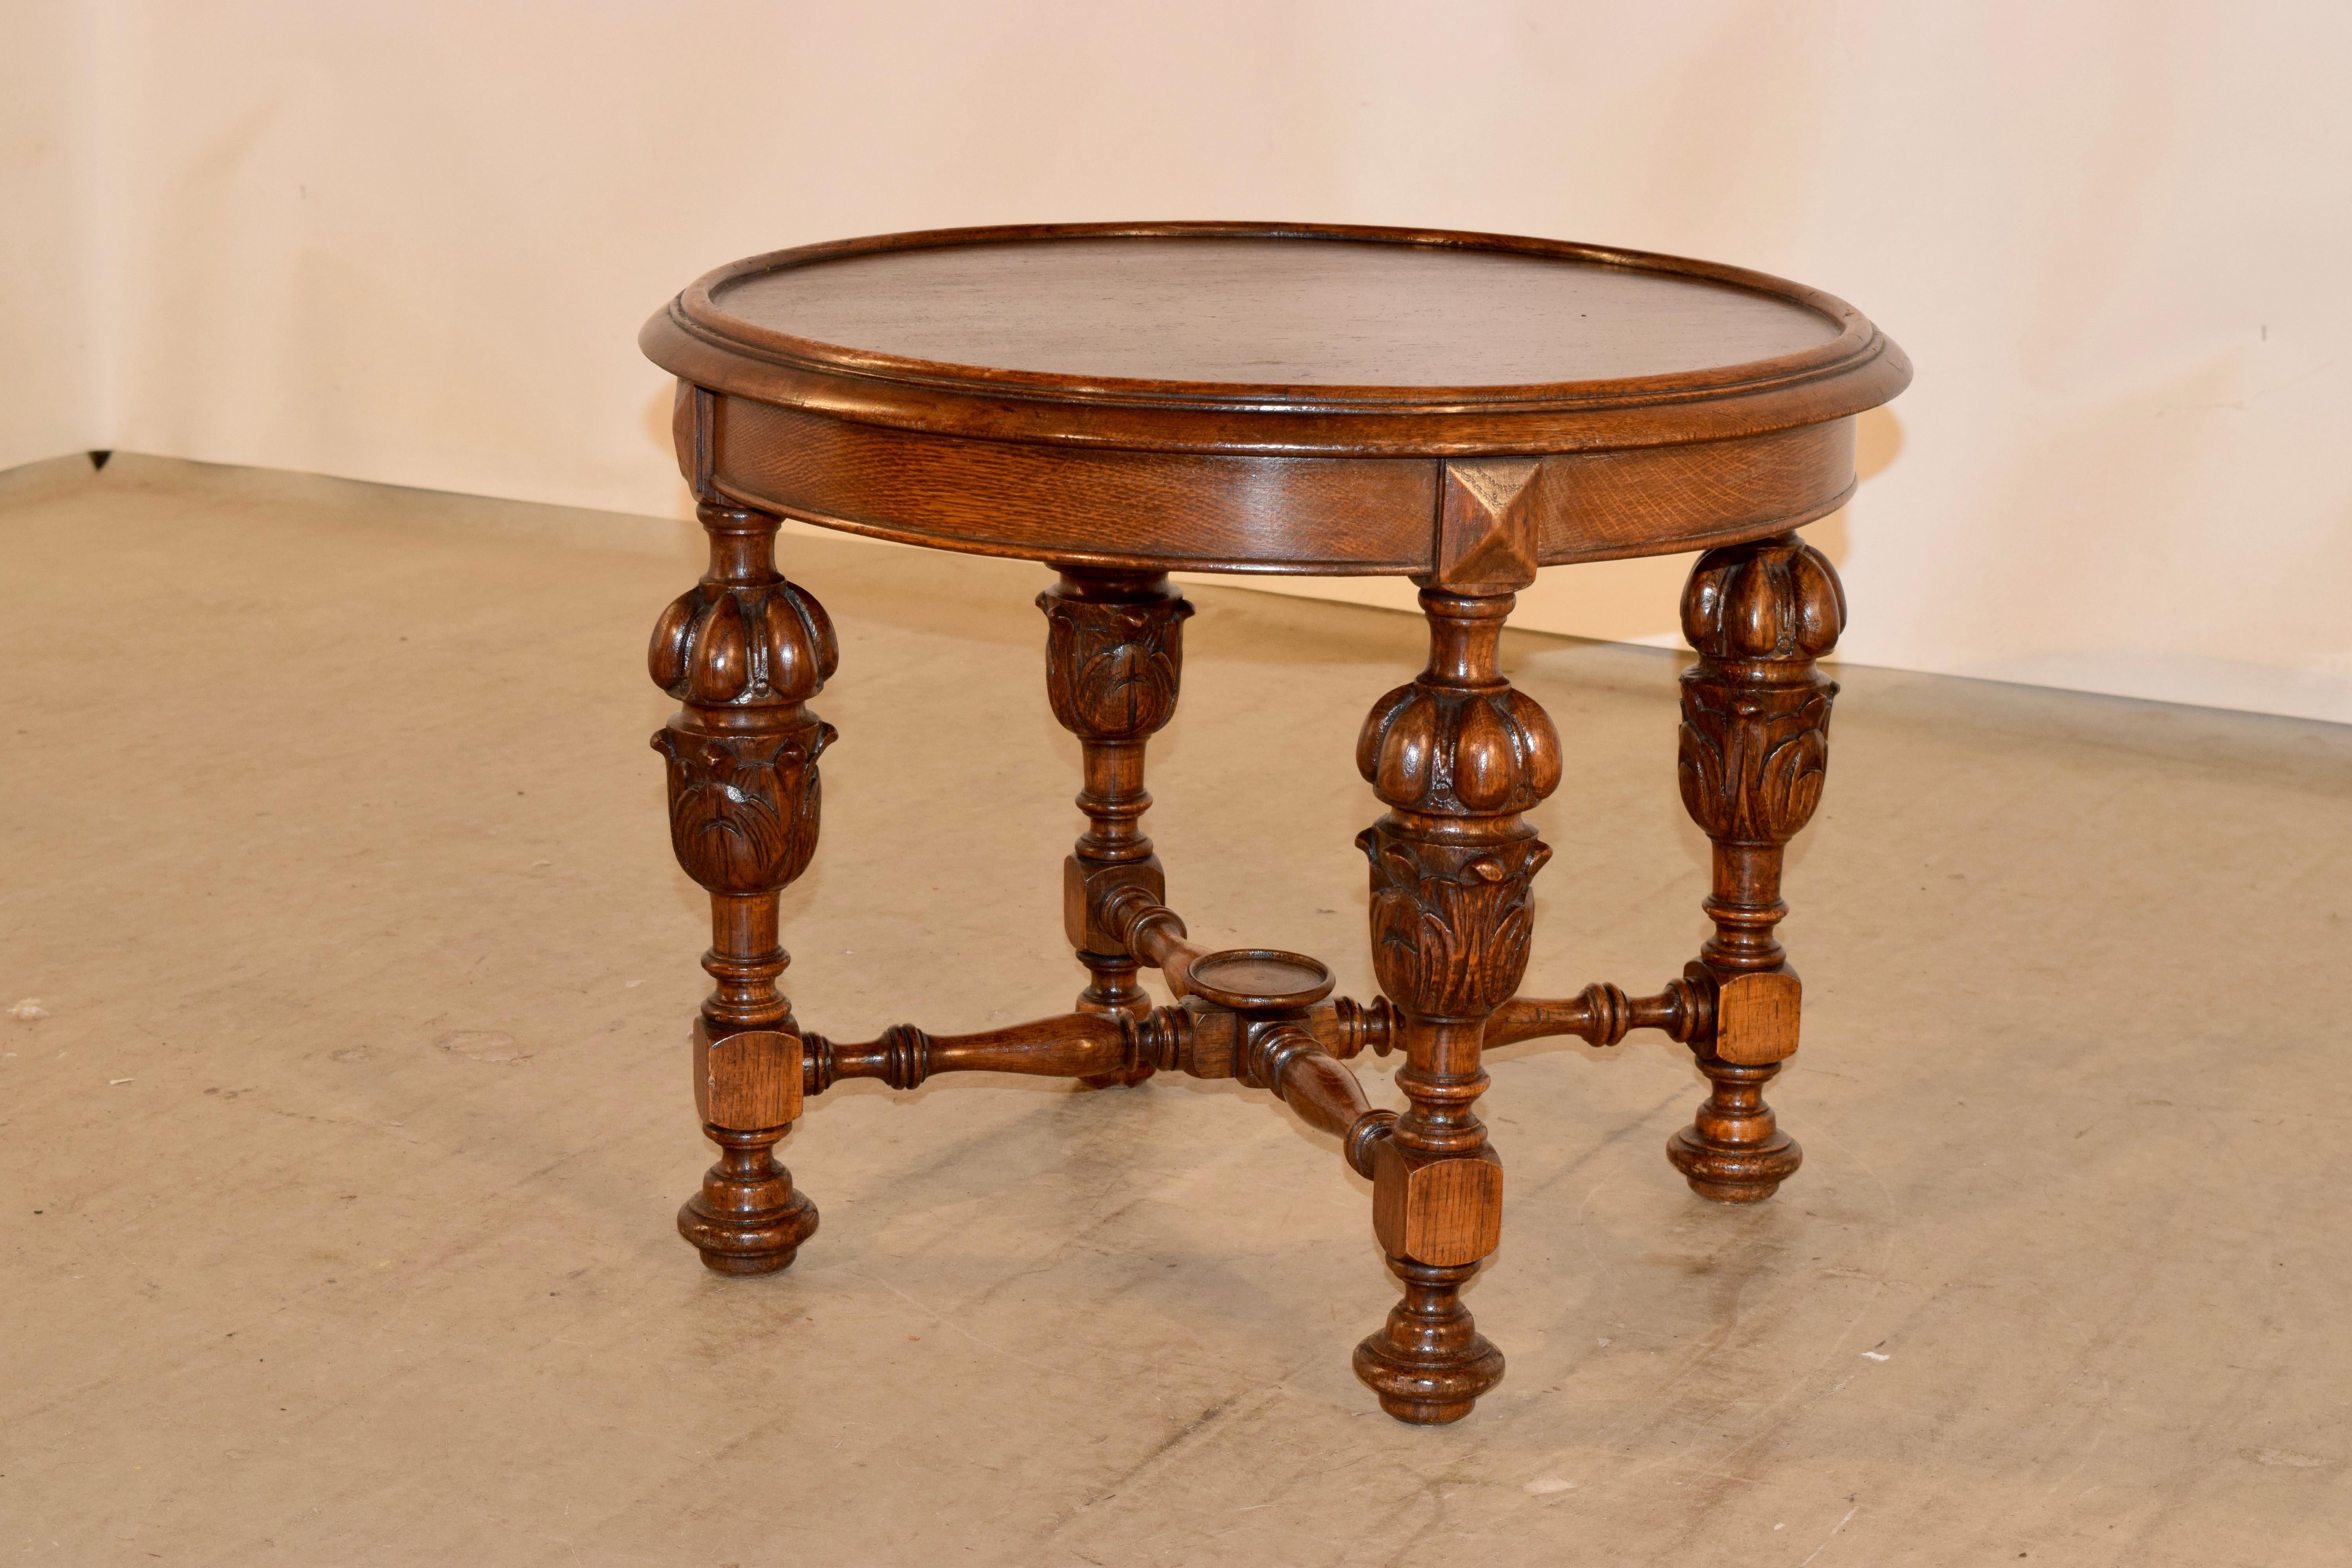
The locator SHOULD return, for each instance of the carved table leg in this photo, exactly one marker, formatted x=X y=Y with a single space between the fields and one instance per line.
x=1114 y=654
x=1754 y=744
x=742 y=651
x=1456 y=756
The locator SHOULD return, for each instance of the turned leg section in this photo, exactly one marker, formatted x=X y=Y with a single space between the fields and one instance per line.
x=1429 y=1363
x=1754 y=750
x=742 y=652
x=1456 y=756
x=1114 y=657
x=1734 y=1151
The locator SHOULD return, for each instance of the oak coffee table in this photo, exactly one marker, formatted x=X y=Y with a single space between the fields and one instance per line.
x=1121 y=401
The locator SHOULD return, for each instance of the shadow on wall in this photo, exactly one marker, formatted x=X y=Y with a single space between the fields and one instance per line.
x=1877 y=442
x=656 y=427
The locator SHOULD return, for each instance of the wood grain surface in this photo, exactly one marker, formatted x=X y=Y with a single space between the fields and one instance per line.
x=1263 y=310
x=1123 y=401
x=1298 y=516
x=1116 y=339
x=1265 y=398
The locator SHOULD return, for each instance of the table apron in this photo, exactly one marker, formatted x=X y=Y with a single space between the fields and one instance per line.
x=1290 y=515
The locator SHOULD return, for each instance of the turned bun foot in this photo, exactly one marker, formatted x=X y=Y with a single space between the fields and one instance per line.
x=1734 y=1175
x=748 y=1219
x=1429 y=1363
x=1734 y=1152
x=735 y=1246
x=1427 y=1393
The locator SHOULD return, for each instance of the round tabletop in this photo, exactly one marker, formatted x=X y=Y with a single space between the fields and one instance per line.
x=1254 y=397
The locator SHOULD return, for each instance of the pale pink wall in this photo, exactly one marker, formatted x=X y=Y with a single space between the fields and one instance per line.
x=52 y=356
x=413 y=242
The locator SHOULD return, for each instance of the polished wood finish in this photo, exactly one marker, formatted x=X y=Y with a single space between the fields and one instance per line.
x=1121 y=401
x=1288 y=1059
x=746 y=1081
x=1755 y=746
x=743 y=652
x=1852 y=366
x=1203 y=512
x=1114 y=658
x=1456 y=756
x=1350 y=312
x=1602 y=1014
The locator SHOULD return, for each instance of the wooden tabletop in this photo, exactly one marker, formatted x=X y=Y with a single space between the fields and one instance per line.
x=1089 y=357
x=1270 y=314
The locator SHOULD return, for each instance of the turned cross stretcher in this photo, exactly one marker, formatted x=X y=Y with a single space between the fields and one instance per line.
x=1122 y=401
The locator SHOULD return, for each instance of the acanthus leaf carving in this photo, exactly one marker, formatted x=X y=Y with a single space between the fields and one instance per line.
x=1451 y=923
x=1754 y=744
x=1752 y=758
x=744 y=809
x=1112 y=669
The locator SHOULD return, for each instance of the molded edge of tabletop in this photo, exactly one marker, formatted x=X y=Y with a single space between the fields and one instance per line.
x=1858 y=369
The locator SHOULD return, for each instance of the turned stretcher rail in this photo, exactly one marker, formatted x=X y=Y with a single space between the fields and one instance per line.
x=1323 y=1092
x=1073 y=1045
x=1154 y=933
x=1602 y=1014
x=1201 y=1041
x=1292 y=1058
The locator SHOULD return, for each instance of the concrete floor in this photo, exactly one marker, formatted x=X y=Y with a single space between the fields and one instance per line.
x=336 y=1185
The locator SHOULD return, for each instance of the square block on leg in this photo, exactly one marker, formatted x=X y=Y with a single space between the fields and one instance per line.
x=747 y=1082
x=1086 y=886
x=1441 y=1209
x=1755 y=1017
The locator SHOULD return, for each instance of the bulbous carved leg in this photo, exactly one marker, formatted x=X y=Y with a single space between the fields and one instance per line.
x=1114 y=656
x=1754 y=747
x=1456 y=756
x=742 y=651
